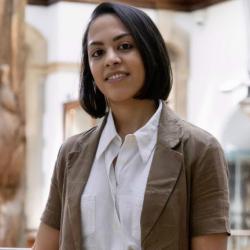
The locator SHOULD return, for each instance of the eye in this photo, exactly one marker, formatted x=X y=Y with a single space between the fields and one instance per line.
x=125 y=46
x=97 y=53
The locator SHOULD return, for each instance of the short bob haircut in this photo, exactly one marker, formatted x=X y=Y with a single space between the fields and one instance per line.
x=151 y=46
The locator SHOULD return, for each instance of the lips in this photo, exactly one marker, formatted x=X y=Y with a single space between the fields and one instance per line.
x=114 y=76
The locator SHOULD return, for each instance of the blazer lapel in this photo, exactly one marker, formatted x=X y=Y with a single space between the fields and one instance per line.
x=165 y=170
x=78 y=169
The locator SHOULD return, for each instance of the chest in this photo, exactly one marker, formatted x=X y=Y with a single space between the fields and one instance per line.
x=113 y=198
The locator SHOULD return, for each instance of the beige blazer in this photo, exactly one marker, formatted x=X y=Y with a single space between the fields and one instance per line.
x=186 y=193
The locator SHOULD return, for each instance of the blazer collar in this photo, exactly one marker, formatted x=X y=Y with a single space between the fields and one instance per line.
x=170 y=131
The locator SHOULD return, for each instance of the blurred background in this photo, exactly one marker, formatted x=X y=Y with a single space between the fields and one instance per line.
x=40 y=53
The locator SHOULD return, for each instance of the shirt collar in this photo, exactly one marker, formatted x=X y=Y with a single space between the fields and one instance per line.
x=108 y=135
x=146 y=136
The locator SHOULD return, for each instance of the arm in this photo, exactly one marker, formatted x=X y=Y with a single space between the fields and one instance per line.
x=48 y=231
x=209 y=214
x=47 y=238
x=210 y=242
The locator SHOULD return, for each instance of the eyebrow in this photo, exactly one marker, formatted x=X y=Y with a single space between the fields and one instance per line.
x=118 y=37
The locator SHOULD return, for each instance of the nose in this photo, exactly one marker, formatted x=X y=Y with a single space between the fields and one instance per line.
x=112 y=58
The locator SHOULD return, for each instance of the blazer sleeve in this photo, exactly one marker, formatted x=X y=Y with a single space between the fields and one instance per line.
x=52 y=213
x=210 y=192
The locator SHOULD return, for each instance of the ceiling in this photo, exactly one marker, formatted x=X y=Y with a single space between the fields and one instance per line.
x=180 y=5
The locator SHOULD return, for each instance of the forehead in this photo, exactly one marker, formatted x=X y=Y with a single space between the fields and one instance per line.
x=106 y=26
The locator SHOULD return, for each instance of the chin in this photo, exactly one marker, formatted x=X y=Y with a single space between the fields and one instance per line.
x=120 y=96
x=120 y=99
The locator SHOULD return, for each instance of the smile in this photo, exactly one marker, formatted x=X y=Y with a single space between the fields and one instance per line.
x=116 y=76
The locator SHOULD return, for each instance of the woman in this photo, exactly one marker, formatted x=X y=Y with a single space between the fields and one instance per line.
x=144 y=179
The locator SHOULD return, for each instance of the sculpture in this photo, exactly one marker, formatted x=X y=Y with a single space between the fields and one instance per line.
x=11 y=138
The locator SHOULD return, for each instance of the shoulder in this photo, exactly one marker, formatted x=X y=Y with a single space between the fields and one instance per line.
x=75 y=142
x=70 y=146
x=190 y=140
x=196 y=136
x=184 y=132
x=201 y=151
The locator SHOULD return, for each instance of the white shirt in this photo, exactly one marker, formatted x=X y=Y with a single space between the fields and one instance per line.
x=112 y=200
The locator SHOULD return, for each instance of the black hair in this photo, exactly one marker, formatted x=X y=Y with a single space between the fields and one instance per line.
x=152 y=48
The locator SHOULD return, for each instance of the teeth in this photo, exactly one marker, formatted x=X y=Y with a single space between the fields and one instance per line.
x=116 y=76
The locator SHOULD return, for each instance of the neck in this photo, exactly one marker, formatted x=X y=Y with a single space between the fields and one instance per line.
x=131 y=116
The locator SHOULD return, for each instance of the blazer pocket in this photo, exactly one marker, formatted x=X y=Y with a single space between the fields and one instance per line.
x=88 y=214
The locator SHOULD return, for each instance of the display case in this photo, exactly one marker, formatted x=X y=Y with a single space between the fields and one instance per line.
x=239 y=184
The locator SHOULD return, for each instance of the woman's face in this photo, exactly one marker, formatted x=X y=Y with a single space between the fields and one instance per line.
x=115 y=62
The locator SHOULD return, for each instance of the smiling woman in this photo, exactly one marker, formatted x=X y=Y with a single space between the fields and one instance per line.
x=130 y=44
x=143 y=179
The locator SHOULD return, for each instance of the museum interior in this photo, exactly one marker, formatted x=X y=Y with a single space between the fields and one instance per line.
x=40 y=55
